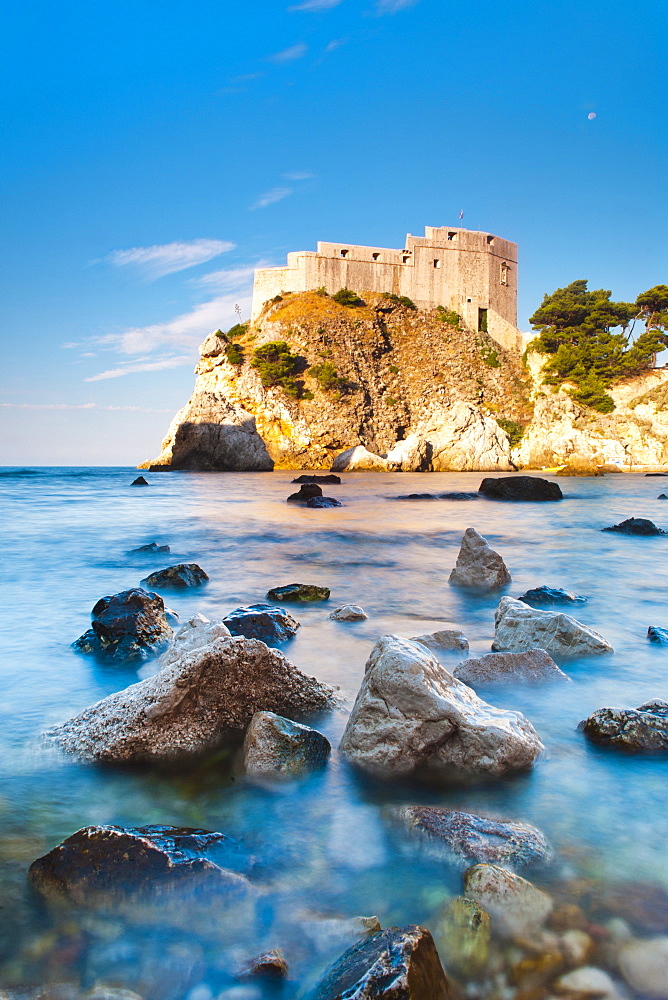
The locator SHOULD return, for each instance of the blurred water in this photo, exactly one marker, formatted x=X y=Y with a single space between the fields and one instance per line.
x=321 y=845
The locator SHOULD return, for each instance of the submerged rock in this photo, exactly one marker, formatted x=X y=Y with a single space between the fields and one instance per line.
x=305 y=492
x=139 y=481
x=550 y=595
x=277 y=746
x=399 y=963
x=446 y=638
x=303 y=592
x=588 y=983
x=478 y=566
x=644 y=966
x=330 y=478
x=472 y=839
x=644 y=728
x=262 y=621
x=131 y=625
x=462 y=935
x=268 y=965
x=520 y=488
x=658 y=635
x=636 y=526
x=535 y=666
x=411 y=714
x=517 y=908
x=151 y=547
x=329 y=933
x=349 y=613
x=520 y=628
x=315 y=502
x=208 y=694
x=181 y=575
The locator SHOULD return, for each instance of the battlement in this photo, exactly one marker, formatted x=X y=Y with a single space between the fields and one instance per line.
x=472 y=273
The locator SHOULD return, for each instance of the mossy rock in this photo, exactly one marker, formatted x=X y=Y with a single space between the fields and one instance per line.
x=299 y=592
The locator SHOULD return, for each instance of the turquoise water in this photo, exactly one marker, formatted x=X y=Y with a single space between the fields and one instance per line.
x=321 y=846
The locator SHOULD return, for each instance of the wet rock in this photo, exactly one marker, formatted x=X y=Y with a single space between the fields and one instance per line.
x=520 y=488
x=303 y=592
x=472 y=839
x=131 y=625
x=262 y=621
x=268 y=965
x=658 y=635
x=139 y=481
x=520 y=628
x=203 y=697
x=315 y=502
x=644 y=966
x=636 y=526
x=399 y=963
x=101 y=860
x=517 y=908
x=643 y=728
x=588 y=983
x=349 y=613
x=411 y=714
x=462 y=935
x=662 y=496
x=458 y=496
x=654 y=475
x=330 y=478
x=447 y=638
x=277 y=746
x=535 y=666
x=417 y=496
x=305 y=492
x=550 y=595
x=478 y=566
x=181 y=575
x=151 y=547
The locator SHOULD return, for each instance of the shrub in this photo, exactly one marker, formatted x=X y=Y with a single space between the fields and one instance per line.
x=346 y=297
x=400 y=300
x=234 y=354
x=391 y=401
x=238 y=330
x=325 y=354
x=491 y=357
x=513 y=429
x=449 y=316
x=322 y=291
x=327 y=376
x=276 y=365
x=394 y=369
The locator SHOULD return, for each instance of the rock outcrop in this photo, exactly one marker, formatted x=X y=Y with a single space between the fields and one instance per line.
x=411 y=715
x=636 y=526
x=446 y=638
x=303 y=593
x=478 y=566
x=520 y=628
x=131 y=625
x=644 y=728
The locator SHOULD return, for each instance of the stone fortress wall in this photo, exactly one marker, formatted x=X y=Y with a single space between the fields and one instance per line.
x=473 y=273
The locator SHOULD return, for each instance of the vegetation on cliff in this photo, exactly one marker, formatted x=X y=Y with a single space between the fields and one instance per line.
x=276 y=365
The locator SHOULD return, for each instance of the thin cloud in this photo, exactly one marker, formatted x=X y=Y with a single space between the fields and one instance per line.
x=290 y=54
x=228 y=280
x=156 y=261
x=299 y=175
x=134 y=368
x=392 y=6
x=316 y=5
x=81 y=406
x=335 y=43
x=271 y=197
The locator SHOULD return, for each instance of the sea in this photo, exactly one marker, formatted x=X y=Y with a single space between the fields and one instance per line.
x=321 y=849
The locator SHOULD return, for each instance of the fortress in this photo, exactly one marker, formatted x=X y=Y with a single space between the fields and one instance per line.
x=473 y=273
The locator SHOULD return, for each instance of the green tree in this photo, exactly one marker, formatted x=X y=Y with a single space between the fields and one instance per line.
x=276 y=365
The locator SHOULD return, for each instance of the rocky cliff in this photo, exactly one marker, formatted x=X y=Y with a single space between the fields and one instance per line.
x=412 y=392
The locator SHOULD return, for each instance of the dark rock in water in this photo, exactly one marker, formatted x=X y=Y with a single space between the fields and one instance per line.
x=550 y=595
x=417 y=496
x=658 y=635
x=269 y=965
x=306 y=491
x=299 y=592
x=475 y=839
x=139 y=481
x=101 y=860
x=323 y=502
x=131 y=625
x=662 y=496
x=643 y=728
x=277 y=746
x=439 y=496
x=520 y=488
x=652 y=475
x=262 y=621
x=182 y=575
x=151 y=547
x=399 y=963
x=636 y=526
x=329 y=478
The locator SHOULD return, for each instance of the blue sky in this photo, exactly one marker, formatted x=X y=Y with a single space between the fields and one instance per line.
x=157 y=152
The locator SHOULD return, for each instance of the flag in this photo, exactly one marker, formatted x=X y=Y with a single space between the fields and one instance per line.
x=461 y=215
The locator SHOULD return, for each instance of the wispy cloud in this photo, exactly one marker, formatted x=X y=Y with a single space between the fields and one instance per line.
x=315 y=5
x=134 y=367
x=228 y=280
x=392 y=6
x=299 y=175
x=335 y=43
x=156 y=261
x=81 y=406
x=271 y=197
x=290 y=54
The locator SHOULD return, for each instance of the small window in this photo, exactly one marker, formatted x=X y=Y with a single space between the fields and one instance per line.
x=375 y=256
x=406 y=258
x=452 y=237
x=344 y=253
x=504 y=269
x=437 y=262
x=490 y=241
x=468 y=300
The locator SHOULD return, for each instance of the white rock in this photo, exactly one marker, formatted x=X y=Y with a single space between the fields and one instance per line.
x=517 y=908
x=198 y=631
x=479 y=566
x=447 y=638
x=589 y=983
x=360 y=460
x=411 y=713
x=644 y=965
x=462 y=438
x=349 y=613
x=576 y=946
x=533 y=667
x=519 y=627
x=410 y=455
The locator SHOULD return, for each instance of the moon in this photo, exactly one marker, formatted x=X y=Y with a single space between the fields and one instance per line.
x=591 y=115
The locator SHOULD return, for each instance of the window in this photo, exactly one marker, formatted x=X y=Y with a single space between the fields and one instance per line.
x=490 y=241
x=468 y=300
x=375 y=256
x=504 y=269
x=407 y=258
x=482 y=320
x=452 y=237
x=344 y=253
x=437 y=262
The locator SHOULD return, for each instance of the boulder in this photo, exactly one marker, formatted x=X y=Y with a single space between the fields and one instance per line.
x=302 y=592
x=411 y=715
x=463 y=438
x=268 y=965
x=151 y=547
x=588 y=983
x=517 y=908
x=316 y=502
x=358 y=459
x=399 y=963
x=658 y=635
x=317 y=479
x=662 y=496
x=201 y=698
x=349 y=613
x=438 y=496
x=550 y=595
x=531 y=488
x=139 y=481
x=179 y=576
x=467 y=838
x=478 y=566
x=198 y=631
x=644 y=966
x=305 y=492
x=644 y=728
x=636 y=526
x=109 y=860
x=262 y=621
x=655 y=475
x=277 y=746
x=462 y=934
x=413 y=454
x=131 y=625
x=533 y=667
x=520 y=628
x=446 y=638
